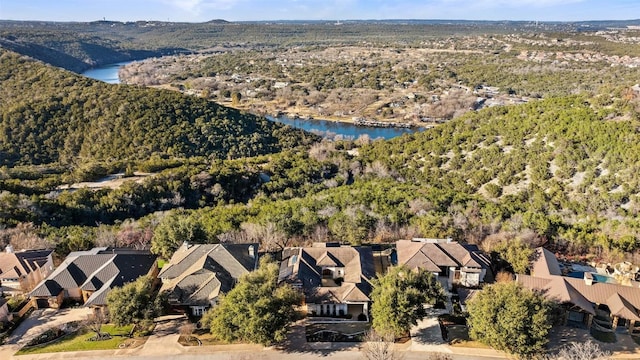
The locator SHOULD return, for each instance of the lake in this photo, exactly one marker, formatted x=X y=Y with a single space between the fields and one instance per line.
x=324 y=128
x=107 y=73
x=332 y=129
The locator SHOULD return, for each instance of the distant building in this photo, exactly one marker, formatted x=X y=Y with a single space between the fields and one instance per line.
x=198 y=274
x=335 y=279
x=21 y=271
x=88 y=276
x=452 y=262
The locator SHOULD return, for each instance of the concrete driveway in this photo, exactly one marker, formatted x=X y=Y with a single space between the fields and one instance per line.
x=426 y=335
x=43 y=319
x=164 y=340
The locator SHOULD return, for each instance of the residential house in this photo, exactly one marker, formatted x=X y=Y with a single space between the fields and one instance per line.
x=587 y=299
x=335 y=279
x=87 y=276
x=198 y=274
x=452 y=262
x=21 y=271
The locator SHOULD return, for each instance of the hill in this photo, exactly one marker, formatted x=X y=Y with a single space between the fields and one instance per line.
x=74 y=46
x=53 y=116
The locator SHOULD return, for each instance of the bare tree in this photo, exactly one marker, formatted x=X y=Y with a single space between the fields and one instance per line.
x=24 y=236
x=186 y=330
x=588 y=350
x=130 y=235
x=95 y=321
x=268 y=235
x=105 y=236
x=378 y=347
x=320 y=233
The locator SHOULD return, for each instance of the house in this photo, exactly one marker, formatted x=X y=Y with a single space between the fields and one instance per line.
x=587 y=299
x=87 y=276
x=335 y=279
x=21 y=271
x=198 y=274
x=452 y=262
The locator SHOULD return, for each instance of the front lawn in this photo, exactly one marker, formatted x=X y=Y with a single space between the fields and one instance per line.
x=79 y=341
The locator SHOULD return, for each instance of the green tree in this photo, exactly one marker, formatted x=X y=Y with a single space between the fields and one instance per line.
x=399 y=297
x=134 y=302
x=174 y=230
x=517 y=253
x=508 y=317
x=256 y=310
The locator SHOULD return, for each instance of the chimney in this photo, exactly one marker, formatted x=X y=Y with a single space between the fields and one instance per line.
x=588 y=278
x=9 y=249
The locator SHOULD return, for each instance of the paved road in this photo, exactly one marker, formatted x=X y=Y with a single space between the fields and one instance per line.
x=242 y=355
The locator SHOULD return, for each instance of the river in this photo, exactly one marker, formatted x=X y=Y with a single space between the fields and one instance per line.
x=325 y=128
x=107 y=73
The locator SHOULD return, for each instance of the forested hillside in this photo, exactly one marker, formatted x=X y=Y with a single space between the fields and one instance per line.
x=74 y=46
x=52 y=116
x=559 y=171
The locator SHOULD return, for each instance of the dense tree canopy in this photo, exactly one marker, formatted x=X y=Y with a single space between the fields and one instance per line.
x=508 y=317
x=134 y=302
x=256 y=310
x=93 y=121
x=399 y=297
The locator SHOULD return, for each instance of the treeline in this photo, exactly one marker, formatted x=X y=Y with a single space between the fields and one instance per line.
x=52 y=116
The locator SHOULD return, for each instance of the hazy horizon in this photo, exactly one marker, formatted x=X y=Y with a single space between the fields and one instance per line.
x=310 y=10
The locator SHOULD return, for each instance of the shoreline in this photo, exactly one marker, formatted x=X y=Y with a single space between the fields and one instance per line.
x=306 y=115
x=310 y=116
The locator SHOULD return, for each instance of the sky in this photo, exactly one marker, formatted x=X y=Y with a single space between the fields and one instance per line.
x=250 y=10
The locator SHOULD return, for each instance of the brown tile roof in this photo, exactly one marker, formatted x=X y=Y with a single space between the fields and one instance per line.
x=13 y=265
x=432 y=256
x=545 y=263
x=619 y=306
x=421 y=261
x=623 y=301
x=557 y=289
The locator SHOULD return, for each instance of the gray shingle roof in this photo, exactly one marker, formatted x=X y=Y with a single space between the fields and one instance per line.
x=303 y=266
x=197 y=274
x=97 y=270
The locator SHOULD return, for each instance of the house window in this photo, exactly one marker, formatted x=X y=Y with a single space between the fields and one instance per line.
x=197 y=310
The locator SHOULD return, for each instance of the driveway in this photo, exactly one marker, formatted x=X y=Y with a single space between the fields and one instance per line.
x=426 y=335
x=43 y=319
x=164 y=340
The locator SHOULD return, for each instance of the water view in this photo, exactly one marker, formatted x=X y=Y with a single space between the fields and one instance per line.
x=107 y=73
x=333 y=129
x=325 y=128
